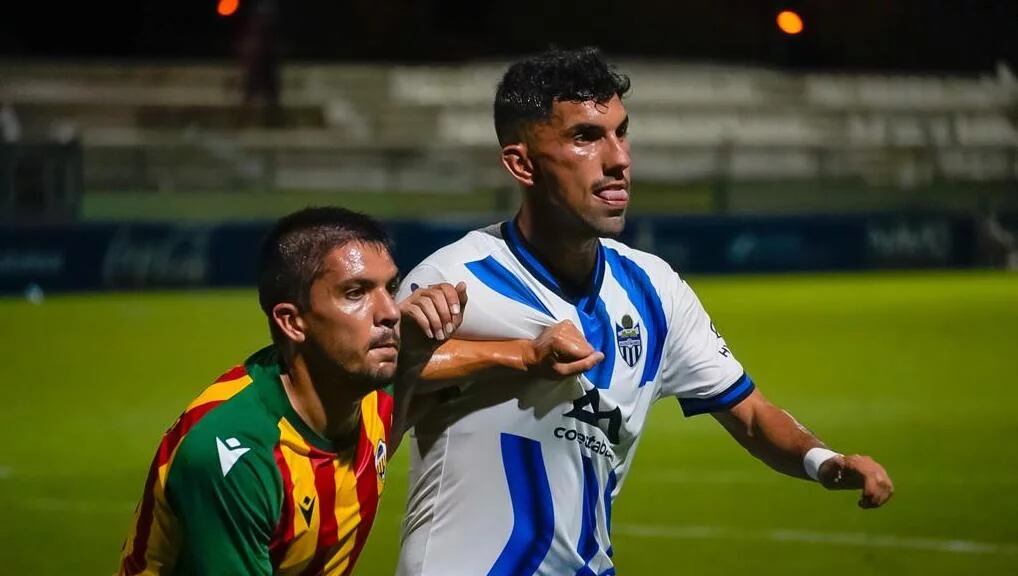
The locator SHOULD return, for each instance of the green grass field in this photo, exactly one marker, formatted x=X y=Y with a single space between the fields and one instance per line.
x=915 y=369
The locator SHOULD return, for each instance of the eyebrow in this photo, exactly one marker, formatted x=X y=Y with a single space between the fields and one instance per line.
x=395 y=278
x=584 y=127
x=590 y=127
x=367 y=281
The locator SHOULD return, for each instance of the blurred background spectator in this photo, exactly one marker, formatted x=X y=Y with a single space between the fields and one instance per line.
x=260 y=55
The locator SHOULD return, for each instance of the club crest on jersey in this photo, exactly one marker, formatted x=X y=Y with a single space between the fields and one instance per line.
x=630 y=342
x=381 y=459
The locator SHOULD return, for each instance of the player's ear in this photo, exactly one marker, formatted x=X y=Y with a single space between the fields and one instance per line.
x=518 y=164
x=287 y=318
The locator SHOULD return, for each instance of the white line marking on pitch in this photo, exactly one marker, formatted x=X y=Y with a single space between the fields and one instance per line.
x=810 y=537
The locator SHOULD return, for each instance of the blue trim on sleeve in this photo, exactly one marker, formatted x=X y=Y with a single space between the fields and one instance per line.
x=731 y=396
x=644 y=296
x=497 y=277
x=533 y=512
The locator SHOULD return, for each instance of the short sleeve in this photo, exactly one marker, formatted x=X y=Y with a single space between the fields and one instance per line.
x=227 y=498
x=422 y=275
x=699 y=368
x=489 y=313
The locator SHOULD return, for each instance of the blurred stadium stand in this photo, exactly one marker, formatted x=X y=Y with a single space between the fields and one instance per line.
x=762 y=136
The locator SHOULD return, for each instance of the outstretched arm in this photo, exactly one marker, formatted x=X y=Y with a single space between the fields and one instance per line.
x=776 y=438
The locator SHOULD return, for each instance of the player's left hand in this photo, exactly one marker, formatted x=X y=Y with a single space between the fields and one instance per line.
x=858 y=472
x=437 y=310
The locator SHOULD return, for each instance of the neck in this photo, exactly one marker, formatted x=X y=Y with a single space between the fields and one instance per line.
x=323 y=402
x=571 y=253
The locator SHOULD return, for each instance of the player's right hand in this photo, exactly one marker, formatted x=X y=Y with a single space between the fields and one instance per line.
x=437 y=310
x=559 y=352
x=858 y=472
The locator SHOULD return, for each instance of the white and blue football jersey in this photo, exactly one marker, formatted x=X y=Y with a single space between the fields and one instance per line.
x=517 y=477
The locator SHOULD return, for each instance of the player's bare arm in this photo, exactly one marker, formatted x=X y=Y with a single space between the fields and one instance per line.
x=776 y=438
x=559 y=352
x=431 y=362
x=430 y=317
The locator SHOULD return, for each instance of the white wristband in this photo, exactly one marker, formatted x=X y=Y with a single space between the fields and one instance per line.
x=814 y=458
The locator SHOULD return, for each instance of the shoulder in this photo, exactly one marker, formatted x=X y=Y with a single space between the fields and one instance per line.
x=474 y=245
x=628 y=261
x=233 y=440
x=448 y=264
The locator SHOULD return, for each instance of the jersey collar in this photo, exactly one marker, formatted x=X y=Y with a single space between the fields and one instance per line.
x=584 y=297
x=265 y=368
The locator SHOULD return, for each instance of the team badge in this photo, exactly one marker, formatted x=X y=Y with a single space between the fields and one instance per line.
x=381 y=458
x=630 y=343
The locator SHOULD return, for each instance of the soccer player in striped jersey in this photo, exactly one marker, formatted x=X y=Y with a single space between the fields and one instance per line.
x=277 y=467
x=515 y=481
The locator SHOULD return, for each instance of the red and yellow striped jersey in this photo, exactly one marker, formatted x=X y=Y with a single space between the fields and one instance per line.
x=240 y=485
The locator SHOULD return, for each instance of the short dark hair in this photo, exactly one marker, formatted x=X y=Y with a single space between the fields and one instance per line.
x=531 y=86
x=293 y=252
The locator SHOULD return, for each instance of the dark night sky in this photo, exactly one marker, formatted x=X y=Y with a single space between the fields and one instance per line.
x=886 y=35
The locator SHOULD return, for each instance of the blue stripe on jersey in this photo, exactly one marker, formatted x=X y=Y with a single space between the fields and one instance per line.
x=597 y=329
x=732 y=395
x=501 y=280
x=584 y=298
x=609 y=487
x=515 y=242
x=642 y=294
x=587 y=545
x=533 y=512
x=594 y=319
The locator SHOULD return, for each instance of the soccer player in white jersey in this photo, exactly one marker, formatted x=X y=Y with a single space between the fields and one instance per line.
x=519 y=480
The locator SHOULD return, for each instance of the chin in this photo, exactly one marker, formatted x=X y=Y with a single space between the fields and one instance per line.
x=610 y=226
x=382 y=375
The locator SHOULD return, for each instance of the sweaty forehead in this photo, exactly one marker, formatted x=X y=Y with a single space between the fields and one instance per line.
x=565 y=112
x=367 y=260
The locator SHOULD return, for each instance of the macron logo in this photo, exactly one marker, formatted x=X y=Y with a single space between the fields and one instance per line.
x=229 y=452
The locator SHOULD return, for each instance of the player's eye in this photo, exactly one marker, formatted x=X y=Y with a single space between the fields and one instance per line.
x=354 y=293
x=623 y=130
x=393 y=287
x=585 y=135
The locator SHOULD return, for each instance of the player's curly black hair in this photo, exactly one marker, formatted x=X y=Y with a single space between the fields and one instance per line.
x=293 y=252
x=530 y=87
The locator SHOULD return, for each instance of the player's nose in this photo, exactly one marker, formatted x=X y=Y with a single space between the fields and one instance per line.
x=616 y=155
x=386 y=310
